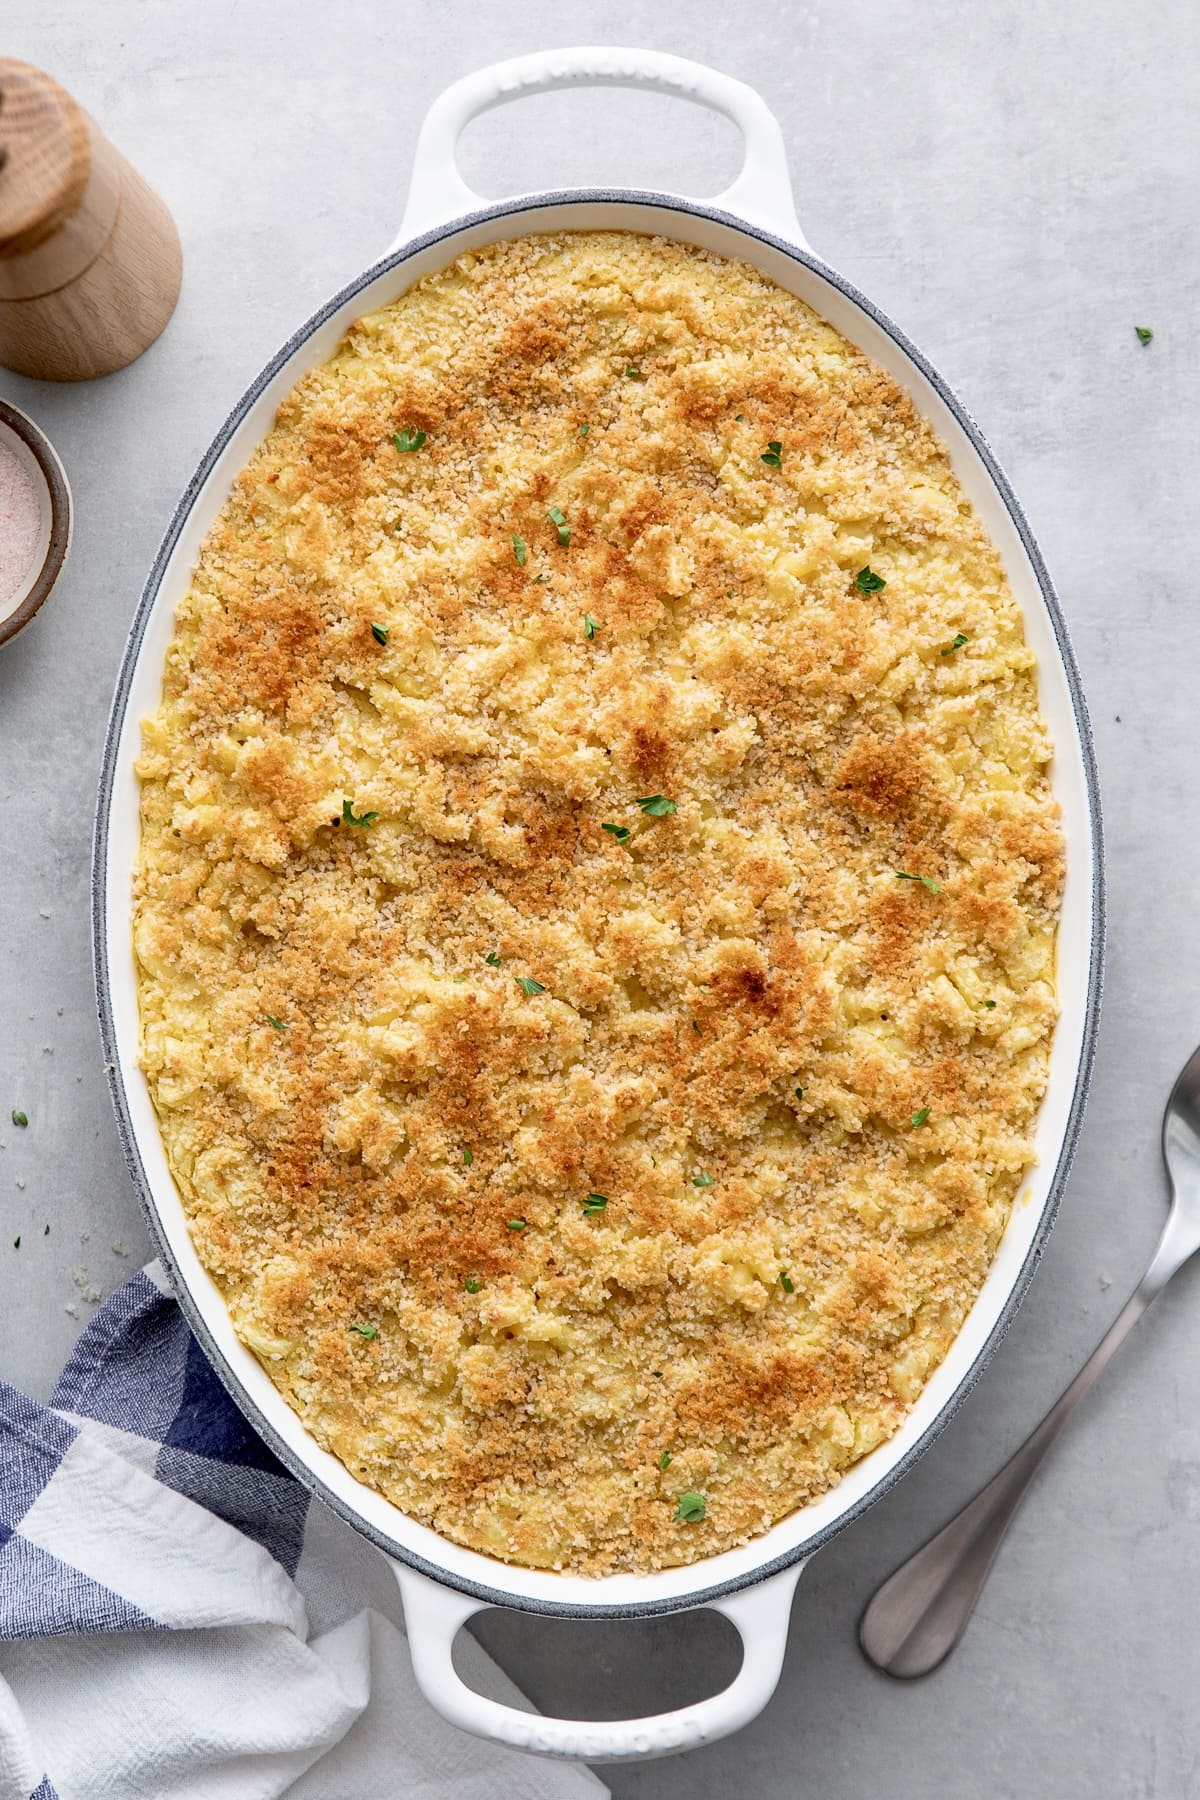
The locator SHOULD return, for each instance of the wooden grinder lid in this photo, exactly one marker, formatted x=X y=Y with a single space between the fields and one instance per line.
x=45 y=157
x=89 y=255
x=60 y=185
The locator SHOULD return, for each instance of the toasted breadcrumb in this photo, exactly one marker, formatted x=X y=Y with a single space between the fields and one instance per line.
x=725 y=1022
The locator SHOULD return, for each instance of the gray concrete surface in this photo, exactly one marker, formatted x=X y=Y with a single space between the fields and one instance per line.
x=1017 y=186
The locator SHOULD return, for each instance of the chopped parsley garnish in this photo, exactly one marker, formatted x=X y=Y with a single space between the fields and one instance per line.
x=703 y=1179
x=278 y=1024
x=773 y=454
x=657 y=806
x=472 y=1284
x=539 y=578
x=590 y=627
x=492 y=960
x=868 y=582
x=468 y=1157
x=690 y=1508
x=16 y=1243
x=515 y=1225
x=583 y=430
x=741 y=418
x=19 y=1118
x=458 y=978
x=664 y=1461
x=1144 y=333
x=919 y=1118
x=799 y=1093
x=528 y=986
x=990 y=1004
x=520 y=550
x=45 y=1231
x=786 y=1282
x=379 y=633
x=366 y=820
x=632 y=374
x=960 y=638
x=696 y=1026
x=595 y=1203
x=620 y=832
x=926 y=881
x=557 y=518
x=407 y=440
x=367 y=1331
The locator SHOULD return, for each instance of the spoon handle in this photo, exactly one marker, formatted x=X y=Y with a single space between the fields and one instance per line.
x=920 y=1612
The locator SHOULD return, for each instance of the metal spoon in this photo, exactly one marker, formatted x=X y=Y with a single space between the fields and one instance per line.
x=920 y=1612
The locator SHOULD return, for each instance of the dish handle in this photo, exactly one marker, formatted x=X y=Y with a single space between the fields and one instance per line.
x=434 y=1614
x=762 y=192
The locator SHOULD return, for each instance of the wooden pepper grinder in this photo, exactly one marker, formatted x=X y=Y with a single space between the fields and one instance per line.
x=90 y=262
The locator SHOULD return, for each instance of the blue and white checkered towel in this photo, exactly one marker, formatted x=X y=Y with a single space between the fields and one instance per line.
x=179 y=1621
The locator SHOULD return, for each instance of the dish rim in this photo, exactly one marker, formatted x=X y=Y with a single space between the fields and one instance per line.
x=294 y=1461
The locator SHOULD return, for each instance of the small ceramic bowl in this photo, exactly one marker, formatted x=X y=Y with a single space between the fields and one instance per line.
x=33 y=449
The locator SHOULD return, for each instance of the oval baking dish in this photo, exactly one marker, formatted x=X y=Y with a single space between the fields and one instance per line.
x=443 y=1583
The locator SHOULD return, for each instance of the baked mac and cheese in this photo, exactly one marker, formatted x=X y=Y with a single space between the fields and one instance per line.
x=597 y=902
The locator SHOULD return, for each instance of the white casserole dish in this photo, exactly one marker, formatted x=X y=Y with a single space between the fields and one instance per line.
x=443 y=1583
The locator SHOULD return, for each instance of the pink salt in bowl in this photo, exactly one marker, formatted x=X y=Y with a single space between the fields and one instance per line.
x=35 y=519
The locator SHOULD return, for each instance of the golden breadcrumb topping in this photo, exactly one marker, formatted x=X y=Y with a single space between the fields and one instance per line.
x=596 y=904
